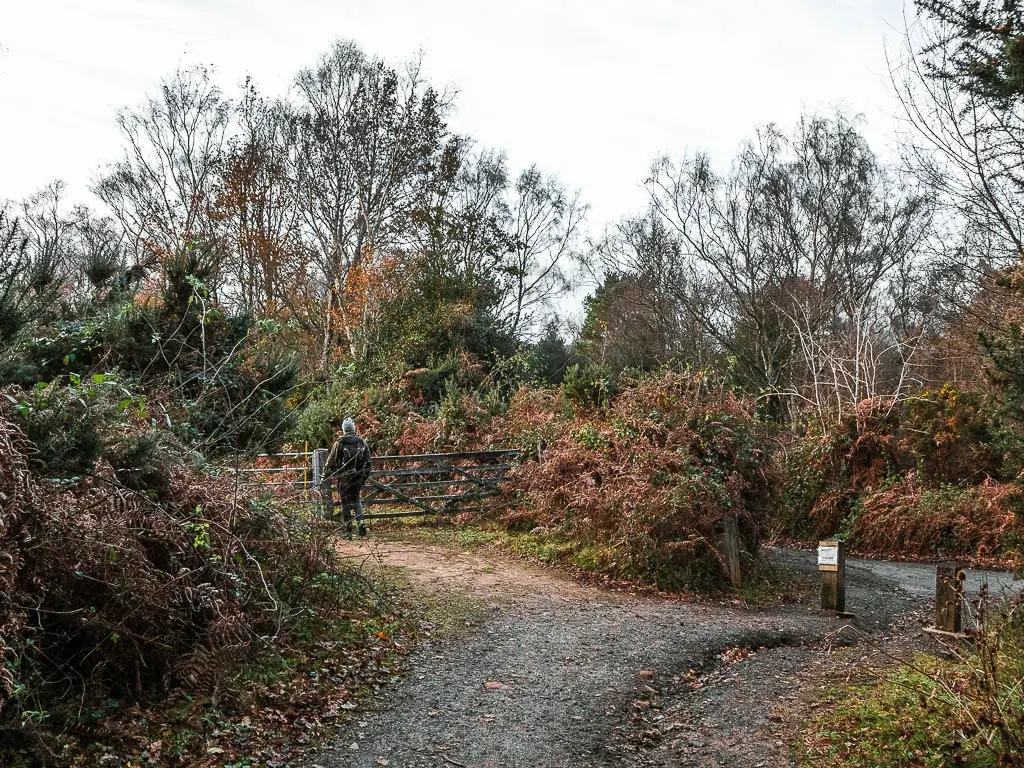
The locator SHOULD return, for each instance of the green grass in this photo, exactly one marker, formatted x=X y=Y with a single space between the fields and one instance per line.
x=763 y=584
x=926 y=713
x=547 y=547
x=881 y=723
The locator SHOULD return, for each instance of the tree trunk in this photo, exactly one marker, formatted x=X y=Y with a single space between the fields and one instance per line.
x=327 y=352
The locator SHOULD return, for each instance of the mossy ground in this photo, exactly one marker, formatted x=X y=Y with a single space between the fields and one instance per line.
x=922 y=712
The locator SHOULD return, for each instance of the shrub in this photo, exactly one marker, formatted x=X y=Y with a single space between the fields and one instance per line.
x=129 y=595
x=430 y=383
x=409 y=416
x=588 y=384
x=241 y=404
x=950 y=520
x=938 y=438
x=67 y=347
x=818 y=492
x=142 y=463
x=652 y=476
x=950 y=436
x=380 y=413
x=67 y=418
x=534 y=419
x=325 y=405
x=428 y=386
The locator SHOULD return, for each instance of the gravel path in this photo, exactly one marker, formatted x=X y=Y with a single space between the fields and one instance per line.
x=547 y=673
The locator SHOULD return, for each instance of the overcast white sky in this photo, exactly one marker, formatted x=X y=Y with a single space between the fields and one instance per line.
x=591 y=91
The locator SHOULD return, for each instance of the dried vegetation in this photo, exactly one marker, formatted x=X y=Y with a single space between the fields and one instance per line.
x=644 y=485
x=108 y=595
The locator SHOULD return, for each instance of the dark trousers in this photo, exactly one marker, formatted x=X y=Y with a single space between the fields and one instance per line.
x=348 y=495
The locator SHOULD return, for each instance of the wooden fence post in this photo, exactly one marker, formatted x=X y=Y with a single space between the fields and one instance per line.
x=832 y=564
x=729 y=542
x=949 y=597
x=319 y=458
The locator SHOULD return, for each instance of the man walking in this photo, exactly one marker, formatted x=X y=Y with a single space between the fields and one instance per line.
x=348 y=466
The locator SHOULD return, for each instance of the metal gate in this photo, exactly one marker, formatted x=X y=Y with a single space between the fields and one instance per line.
x=401 y=486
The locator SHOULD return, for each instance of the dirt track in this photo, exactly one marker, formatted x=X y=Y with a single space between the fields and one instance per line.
x=534 y=670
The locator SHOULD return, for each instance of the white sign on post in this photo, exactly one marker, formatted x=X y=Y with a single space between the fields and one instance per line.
x=828 y=555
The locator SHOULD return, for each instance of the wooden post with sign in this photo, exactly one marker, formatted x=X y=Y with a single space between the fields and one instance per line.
x=832 y=564
x=949 y=597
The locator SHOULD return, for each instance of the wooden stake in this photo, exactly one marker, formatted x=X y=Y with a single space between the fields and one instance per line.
x=729 y=541
x=949 y=597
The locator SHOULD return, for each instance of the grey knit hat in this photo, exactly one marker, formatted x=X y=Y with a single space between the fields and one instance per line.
x=348 y=426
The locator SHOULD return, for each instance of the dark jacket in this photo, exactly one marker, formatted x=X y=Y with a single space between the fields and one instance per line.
x=349 y=461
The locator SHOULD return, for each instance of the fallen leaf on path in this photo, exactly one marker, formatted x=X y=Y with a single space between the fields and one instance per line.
x=732 y=655
x=492 y=685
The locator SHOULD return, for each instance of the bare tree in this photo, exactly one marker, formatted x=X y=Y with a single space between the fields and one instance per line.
x=795 y=246
x=467 y=220
x=545 y=227
x=369 y=140
x=52 y=237
x=162 y=190
x=516 y=240
x=958 y=82
x=73 y=256
x=969 y=150
x=636 y=317
x=256 y=213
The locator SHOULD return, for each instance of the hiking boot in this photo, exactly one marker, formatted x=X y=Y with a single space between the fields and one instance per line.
x=362 y=530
